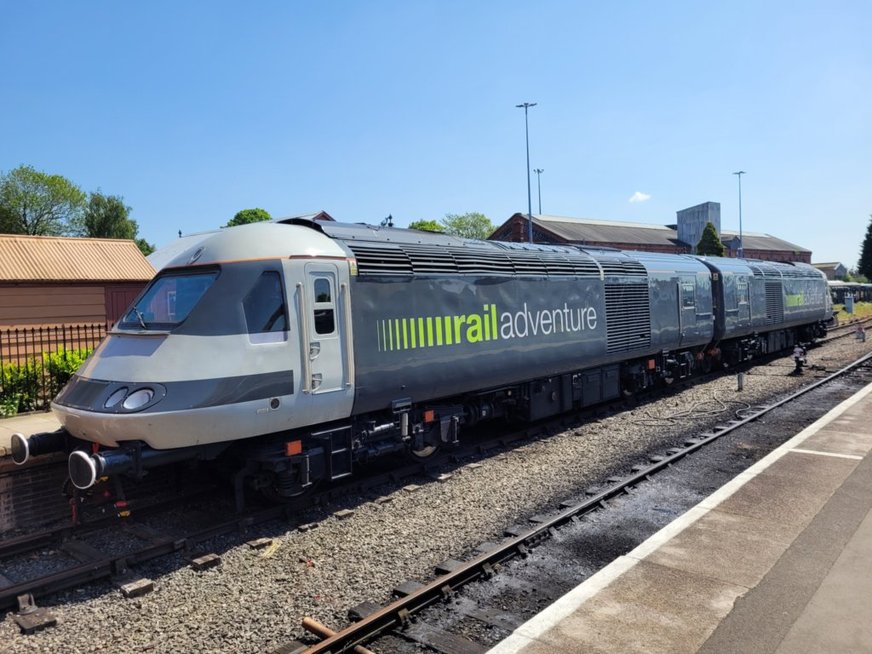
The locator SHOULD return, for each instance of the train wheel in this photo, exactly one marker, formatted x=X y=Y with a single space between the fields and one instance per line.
x=424 y=452
x=281 y=488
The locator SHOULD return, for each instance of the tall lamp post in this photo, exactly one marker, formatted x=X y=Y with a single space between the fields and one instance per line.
x=739 y=174
x=539 y=172
x=526 y=106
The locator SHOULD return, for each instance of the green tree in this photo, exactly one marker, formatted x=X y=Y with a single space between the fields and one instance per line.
x=710 y=244
x=144 y=246
x=247 y=216
x=865 y=265
x=36 y=203
x=106 y=216
x=468 y=225
x=426 y=226
x=8 y=224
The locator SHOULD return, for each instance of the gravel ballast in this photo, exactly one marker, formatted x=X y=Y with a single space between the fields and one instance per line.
x=254 y=600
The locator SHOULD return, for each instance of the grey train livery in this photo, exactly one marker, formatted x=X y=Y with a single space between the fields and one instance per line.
x=298 y=349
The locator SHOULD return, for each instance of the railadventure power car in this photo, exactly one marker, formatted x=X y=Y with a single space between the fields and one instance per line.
x=298 y=349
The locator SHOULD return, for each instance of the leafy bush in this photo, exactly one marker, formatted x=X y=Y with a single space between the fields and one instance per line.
x=31 y=385
x=21 y=382
x=9 y=406
x=59 y=367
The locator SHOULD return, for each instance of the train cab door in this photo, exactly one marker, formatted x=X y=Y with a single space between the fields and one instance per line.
x=686 y=310
x=327 y=338
x=743 y=302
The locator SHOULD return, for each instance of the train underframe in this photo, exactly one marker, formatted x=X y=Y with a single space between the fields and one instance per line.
x=420 y=430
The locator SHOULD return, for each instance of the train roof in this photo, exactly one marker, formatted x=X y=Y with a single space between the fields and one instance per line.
x=667 y=262
x=262 y=240
x=393 y=251
x=759 y=268
x=382 y=250
x=838 y=282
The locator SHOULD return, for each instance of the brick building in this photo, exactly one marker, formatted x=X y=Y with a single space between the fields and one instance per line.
x=679 y=238
x=833 y=270
x=48 y=280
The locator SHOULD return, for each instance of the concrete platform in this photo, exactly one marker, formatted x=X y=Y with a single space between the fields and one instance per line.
x=778 y=560
x=27 y=424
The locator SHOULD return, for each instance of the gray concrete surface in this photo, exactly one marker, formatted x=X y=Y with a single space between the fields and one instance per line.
x=27 y=424
x=776 y=561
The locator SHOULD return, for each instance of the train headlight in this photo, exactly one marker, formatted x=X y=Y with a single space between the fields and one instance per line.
x=115 y=398
x=137 y=399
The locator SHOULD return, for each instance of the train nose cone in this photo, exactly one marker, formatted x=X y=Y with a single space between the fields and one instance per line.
x=83 y=470
x=20 y=448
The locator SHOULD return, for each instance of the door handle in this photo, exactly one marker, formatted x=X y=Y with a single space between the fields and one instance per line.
x=314 y=349
x=317 y=380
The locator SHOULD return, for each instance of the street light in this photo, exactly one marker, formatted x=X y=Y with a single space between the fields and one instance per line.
x=526 y=106
x=739 y=174
x=539 y=172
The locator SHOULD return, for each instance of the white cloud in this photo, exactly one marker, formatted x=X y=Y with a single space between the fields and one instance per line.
x=638 y=196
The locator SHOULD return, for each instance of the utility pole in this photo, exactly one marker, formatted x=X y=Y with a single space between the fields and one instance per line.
x=526 y=106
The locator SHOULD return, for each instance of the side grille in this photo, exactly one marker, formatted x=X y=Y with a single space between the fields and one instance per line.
x=559 y=264
x=528 y=263
x=380 y=260
x=628 y=317
x=484 y=262
x=774 y=303
x=623 y=268
x=428 y=259
x=417 y=259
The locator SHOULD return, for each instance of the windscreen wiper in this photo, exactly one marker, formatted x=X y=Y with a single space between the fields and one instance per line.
x=140 y=317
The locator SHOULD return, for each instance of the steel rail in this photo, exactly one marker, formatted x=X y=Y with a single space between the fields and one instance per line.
x=398 y=612
x=112 y=564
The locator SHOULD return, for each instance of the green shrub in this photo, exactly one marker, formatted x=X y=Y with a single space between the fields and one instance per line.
x=20 y=386
x=59 y=367
x=31 y=385
x=9 y=406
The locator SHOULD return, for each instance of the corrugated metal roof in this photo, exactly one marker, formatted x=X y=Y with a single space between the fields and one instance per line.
x=756 y=241
x=54 y=258
x=592 y=231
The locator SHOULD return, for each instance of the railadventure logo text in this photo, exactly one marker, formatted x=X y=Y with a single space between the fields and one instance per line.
x=488 y=325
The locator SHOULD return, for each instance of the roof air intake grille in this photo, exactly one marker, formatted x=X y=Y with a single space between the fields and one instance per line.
x=623 y=268
x=381 y=260
x=422 y=259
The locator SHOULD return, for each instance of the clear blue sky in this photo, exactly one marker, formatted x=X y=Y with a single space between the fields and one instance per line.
x=194 y=110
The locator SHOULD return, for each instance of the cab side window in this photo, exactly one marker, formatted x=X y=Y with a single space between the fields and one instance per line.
x=688 y=301
x=742 y=291
x=264 y=305
x=323 y=307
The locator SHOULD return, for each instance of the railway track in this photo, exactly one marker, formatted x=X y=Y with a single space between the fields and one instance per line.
x=64 y=552
x=845 y=330
x=371 y=622
x=68 y=558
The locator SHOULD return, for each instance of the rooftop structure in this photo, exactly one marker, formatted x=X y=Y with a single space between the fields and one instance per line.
x=648 y=237
x=55 y=258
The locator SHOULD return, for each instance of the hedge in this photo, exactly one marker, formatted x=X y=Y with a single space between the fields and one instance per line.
x=31 y=385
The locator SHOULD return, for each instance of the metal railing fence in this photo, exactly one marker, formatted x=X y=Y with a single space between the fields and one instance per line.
x=35 y=362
